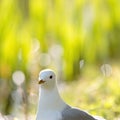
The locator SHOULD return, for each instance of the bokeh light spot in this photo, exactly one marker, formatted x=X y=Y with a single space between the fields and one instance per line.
x=45 y=59
x=35 y=45
x=56 y=51
x=18 y=77
x=81 y=63
x=106 y=70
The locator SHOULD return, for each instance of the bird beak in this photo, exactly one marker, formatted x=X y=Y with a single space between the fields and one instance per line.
x=41 y=81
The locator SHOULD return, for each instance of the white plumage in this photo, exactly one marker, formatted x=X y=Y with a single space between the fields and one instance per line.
x=51 y=106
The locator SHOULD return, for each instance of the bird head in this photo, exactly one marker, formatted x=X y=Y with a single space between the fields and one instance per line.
x=47 y=78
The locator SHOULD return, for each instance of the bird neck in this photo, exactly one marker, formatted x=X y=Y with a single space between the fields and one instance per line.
x=50 y=99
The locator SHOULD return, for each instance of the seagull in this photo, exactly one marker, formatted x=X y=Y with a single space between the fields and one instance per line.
x=51 y=106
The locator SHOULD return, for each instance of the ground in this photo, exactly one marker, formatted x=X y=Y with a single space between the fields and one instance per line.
x=96 y=93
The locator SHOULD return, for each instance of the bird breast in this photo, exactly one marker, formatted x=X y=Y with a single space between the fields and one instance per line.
x=49 y=115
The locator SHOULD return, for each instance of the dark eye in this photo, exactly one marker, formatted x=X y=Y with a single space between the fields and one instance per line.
x=51 y=77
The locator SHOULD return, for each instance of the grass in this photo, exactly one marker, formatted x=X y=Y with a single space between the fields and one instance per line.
x=92 y=91
x=29 y=31
x=95 y=93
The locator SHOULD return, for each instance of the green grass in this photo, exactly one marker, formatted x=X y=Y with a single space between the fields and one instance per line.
x=81 y=30
x=97 y=94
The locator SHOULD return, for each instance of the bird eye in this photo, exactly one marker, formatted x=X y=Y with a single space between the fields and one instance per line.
x=51 y=77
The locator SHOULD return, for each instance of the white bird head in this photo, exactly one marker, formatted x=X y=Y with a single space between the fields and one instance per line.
x=47 y=78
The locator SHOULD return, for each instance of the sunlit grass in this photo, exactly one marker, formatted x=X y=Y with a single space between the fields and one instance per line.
x=95 y=93
x=68 y=36
x=85 y=30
